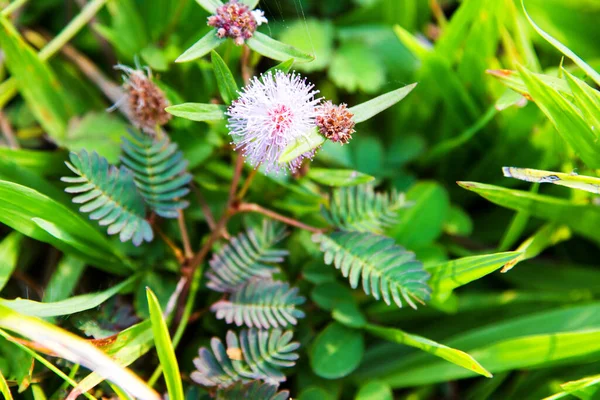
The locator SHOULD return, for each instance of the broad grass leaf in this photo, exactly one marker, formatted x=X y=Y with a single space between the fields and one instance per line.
x=43 y=163
x=64 y=279
x=73 y=348
x=164 y=348
x=583 y=219
x=276 y=50
x=455 y=356
x=67 y=306
x=36 y=82
x=537 y=330
x=61 y=227
x=336 y=351
x=369 y=109
x=198 y=111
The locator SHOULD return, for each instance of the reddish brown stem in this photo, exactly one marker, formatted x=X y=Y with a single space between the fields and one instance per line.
x=8 y=132
x=251 y=207
x=185 y=238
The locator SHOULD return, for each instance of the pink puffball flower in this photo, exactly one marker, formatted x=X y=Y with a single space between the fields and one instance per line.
x=236 y=21
x=271 y=113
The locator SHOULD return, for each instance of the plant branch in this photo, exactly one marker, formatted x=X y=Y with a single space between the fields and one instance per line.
x=251 y=207
x=245 y=60
x=176 y=250
x=247 y=184
x=185 y=237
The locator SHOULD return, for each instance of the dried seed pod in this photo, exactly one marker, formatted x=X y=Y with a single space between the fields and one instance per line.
x=335 y=122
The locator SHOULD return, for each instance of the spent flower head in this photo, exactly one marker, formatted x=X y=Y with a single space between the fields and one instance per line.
x=145 y=102
x=236 y=21
x=335 y=122
x=271 y=113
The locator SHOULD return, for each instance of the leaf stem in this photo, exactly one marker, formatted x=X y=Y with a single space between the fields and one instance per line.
x=252 y=207
x=247 y=184
x=12 y=7
x=174 y=248
x=245 y=60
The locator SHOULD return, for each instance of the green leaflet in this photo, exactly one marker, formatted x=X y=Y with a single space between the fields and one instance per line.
x=251 y=354
x=225 y=80
x=247 y=256
x=202 y=47
x=387 y=270
x=159 y=170
x=261 y=303
x=360 y=208
x=198 y=111
x=110 y=195
x=338 y=177
x=581 y=218
x=276 y=50
x=336 y=351
x=254 y=390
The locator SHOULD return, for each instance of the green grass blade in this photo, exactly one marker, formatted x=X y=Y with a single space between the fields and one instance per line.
x=125 y=348
x=449 y=275
x=164 y=348
x=76 y=350
x=68 y=306
x=20 y=208
x=225 y=80
x=198 y=111
x=64 y=279
x=9 y=254
x=276 y=50
x=4 y=389
x=565 y=117
x=37 y=83
x=583 y=219
x=563 y=49
x=455 y=356
x=587 y=100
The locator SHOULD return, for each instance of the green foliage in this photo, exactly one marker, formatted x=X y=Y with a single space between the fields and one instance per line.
x=387 y=270
x=160 y=172
x=361 y=209
x=337 y=351
x=261 y=303
x=110 y=195
x=246 y=256
x=253 y=391
x=253 y=355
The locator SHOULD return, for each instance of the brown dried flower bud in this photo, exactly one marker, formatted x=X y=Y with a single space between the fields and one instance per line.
x=335 y=122
x=236 y=21
x=146 y=102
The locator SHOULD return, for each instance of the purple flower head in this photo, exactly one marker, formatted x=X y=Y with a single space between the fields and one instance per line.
x=271 y=113
x=236 y=21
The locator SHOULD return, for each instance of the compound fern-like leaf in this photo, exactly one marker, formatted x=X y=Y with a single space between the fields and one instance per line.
x=262 y=303
x=246 y=256
x=360 y=208
x=254 y=390
x=387 y=270
x=254 y=355
x=160 y=172
x=110 y=195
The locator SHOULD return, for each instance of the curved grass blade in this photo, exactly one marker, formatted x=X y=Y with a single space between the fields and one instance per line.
x=198 y=111
x=276 y=50
x=202 y=47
